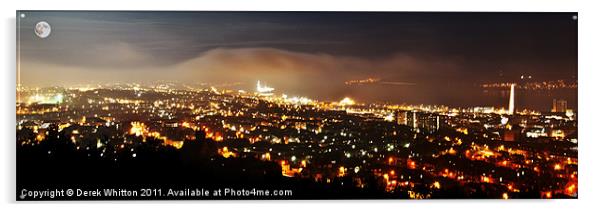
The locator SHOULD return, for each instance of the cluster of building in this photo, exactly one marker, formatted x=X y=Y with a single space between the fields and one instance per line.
x=415 y=151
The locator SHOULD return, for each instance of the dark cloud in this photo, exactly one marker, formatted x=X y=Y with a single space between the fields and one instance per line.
x=297 y=69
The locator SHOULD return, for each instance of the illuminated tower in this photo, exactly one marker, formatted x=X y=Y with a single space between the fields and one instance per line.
x=511 y=102
x=559 y=106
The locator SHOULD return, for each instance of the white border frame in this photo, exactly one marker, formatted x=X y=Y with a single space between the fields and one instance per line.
x=589 y=102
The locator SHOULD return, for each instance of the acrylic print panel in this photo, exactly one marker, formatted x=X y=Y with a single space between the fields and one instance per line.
x=126 y=105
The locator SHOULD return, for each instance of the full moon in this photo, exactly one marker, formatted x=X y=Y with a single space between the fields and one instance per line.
x=42 y=29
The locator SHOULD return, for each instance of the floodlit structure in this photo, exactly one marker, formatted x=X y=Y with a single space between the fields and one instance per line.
x=346 y=102
x=511 y=102
x=263 y=89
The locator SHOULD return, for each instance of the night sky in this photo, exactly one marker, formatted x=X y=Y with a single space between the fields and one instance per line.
x=433 y=58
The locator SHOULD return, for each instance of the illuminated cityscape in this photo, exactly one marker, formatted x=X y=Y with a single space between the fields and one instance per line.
x=315 y=125
x=411 y=151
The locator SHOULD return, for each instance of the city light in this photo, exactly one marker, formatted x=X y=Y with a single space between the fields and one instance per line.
x=138 y=128
x=346 y=102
